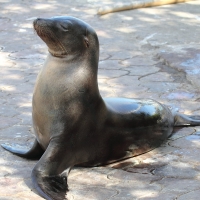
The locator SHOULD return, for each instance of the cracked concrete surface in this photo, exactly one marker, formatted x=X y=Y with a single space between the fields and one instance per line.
x=148 y=53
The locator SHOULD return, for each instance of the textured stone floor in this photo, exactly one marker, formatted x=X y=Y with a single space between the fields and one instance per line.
x=149 y=53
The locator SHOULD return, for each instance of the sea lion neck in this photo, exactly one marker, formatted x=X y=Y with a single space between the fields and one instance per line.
x=75 y=62
x=71 y=79
x=82 y=71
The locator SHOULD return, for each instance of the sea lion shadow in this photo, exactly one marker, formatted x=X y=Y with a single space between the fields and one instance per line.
x=147 y=172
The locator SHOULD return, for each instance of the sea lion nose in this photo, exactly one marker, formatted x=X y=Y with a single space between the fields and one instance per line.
x=38 y=20
x=35 y=22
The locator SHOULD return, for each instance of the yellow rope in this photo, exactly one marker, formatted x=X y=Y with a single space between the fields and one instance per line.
x=136 y=4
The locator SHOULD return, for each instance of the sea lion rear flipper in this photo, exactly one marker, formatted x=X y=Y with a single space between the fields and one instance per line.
x=186 y=120
x=49 y=176
x=34 y=153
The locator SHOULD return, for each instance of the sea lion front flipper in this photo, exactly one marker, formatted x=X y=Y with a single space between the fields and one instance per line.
x=35 y=152
x=50 y=187
x=49 y=176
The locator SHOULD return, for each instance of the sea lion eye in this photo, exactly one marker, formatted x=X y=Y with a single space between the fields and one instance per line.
x=65 y=27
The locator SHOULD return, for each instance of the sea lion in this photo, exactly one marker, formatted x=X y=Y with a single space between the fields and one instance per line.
x=73 y=124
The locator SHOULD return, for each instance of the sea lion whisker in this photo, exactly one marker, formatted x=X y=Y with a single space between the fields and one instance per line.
x=60 y=43
x=52 y=35
x=45 y=32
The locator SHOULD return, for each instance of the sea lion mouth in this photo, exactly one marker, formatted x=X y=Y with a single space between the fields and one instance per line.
x=43 y=30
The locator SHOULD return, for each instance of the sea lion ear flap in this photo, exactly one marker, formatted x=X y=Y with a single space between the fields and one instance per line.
x=86 y=41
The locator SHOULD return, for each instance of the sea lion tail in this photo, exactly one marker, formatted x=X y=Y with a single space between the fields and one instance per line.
x=34 y=153
x=186 y=120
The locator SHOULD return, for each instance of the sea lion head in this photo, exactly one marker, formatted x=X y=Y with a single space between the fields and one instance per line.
x=66 y=36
